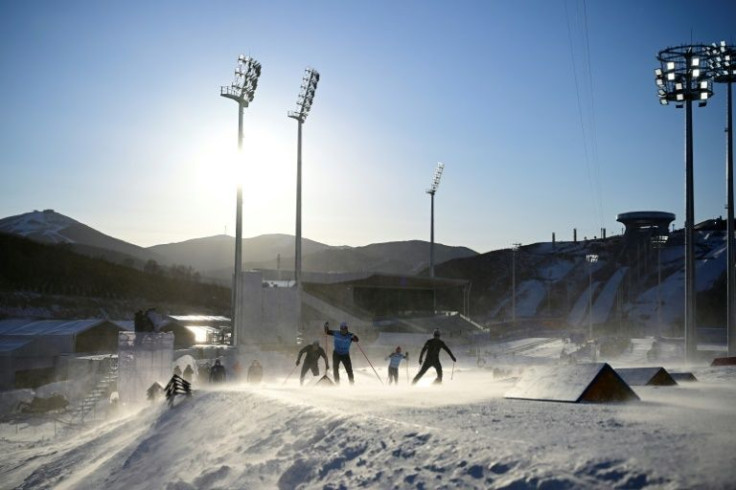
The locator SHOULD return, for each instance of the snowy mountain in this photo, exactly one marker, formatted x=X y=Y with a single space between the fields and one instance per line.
x=633 y=287
x=48 y=226
x=213 y=256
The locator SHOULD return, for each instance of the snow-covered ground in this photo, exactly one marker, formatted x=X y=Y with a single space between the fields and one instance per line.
x=461 y=434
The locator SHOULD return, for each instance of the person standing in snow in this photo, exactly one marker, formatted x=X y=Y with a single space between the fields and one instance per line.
x=394 y=359
x=217 y=373
x=432 y=349
x=312 y=354
x=188 y=373
x=341 y=350
x=255 y=372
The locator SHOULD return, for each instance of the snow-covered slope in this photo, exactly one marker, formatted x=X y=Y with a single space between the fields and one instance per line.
x=462 y=434
x=48 y=226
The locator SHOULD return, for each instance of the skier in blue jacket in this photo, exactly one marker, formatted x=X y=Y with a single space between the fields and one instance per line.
x=341 y=350
x=394 y=359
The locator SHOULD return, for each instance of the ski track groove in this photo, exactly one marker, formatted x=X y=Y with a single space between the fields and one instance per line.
x=74 y=457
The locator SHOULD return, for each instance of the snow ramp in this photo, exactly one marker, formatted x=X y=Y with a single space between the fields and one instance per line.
x=579 y=383
x=646 y=376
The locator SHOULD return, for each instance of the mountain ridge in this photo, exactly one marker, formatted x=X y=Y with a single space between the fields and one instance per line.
x=213 y=256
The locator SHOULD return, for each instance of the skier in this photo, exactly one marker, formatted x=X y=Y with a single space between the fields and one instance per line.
x=217 y=373
x=393 y=365
x=188 y=373
x=255 y=372
x=341 y=350
x=313 y=352
x=432 y=348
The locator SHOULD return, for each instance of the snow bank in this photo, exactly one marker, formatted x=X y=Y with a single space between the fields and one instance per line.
x=462 y=434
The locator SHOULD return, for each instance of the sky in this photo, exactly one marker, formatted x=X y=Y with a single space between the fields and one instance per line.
x=544 y=114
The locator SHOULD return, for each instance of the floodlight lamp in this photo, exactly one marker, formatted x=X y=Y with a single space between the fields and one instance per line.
x=670 y=65
x=436 y=178
x=670 y=76
x=663 y=101
x=703 y=95
x=658 y=72
x=695 y=61
x=678 y=86
x=680 y=97
x=306 y=95
x=704 y=84
x=696 y=73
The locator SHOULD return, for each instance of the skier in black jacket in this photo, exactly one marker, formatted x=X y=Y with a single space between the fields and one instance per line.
x=313 y=352
x=432 y=349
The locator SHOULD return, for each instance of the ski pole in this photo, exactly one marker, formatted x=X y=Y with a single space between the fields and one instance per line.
x=452 y=374
x=289 y=376
x=369 y=362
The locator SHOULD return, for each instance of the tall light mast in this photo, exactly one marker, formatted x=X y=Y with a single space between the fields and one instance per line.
x=303 y=105
x=682 y=78
x=722 y=64
x=432 y=191
x=241 y=91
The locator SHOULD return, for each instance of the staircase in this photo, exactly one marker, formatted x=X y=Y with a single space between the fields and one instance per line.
x=101 y=391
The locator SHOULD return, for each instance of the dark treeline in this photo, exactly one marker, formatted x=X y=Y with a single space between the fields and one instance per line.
x=26 y=265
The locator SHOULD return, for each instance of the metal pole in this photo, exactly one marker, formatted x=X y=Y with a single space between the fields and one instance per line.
x=590 y=300
x=513 y=287
x=659 y=288
x=431 y=239
x=237 y=310
x=730 y=286
x=298 y=245
x=690 y=332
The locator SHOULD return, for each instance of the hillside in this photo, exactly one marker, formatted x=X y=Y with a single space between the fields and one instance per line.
x=555 y=284
x=212 y=257
x=55 y=281
x=48 y=226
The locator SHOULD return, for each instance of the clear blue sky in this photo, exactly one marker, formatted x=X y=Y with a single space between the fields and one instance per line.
x=544 y=113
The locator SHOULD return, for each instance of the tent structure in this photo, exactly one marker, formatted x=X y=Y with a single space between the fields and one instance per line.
x=30 y=349
x=683 y=377
x=64 y=336
x=724 y=361
x=579 y=383
x=646 y=376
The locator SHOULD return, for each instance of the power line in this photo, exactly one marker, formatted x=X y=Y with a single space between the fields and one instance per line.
x=586 y=118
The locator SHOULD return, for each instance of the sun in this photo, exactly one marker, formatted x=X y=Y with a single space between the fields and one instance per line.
x=264 y=168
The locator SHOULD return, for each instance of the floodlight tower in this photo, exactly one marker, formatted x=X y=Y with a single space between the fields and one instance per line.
x=683 y=78
x=432 y=191
x=241 y=90
x=722 y=64
x=303 y=105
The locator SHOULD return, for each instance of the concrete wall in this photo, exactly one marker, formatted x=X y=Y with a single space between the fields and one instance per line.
x=269 y=313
